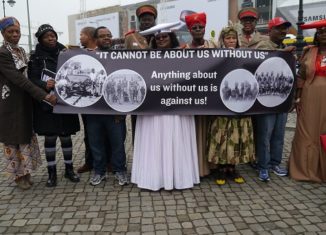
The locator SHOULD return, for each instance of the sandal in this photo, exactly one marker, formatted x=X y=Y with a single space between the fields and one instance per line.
x=220 y=179
x=234 y=175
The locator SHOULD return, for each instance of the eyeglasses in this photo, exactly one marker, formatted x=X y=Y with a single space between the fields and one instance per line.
x=162 y=36
x=197 y=27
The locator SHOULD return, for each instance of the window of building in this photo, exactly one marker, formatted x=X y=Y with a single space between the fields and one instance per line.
x=265 y=11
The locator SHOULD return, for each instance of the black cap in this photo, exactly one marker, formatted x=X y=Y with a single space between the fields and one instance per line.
x=44 y=28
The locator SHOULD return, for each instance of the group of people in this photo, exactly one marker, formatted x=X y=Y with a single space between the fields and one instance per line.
x=170 y=151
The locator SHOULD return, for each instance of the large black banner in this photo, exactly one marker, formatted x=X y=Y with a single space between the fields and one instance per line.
x=203 y=81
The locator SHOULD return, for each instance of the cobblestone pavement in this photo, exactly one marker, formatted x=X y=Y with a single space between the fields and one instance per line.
x=281 y=206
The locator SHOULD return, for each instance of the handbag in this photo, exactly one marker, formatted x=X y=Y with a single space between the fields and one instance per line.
x=323 y=141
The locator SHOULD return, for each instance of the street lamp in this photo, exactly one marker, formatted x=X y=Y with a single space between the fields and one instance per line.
x=300 y=42
x=10 y=2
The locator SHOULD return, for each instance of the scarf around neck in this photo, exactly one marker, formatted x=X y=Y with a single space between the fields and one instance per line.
x=18 y=54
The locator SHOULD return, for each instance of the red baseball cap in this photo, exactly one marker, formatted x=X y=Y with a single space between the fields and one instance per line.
x=277 y=21
x=314 y=25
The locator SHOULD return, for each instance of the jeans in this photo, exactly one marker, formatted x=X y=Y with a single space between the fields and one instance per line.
x=100 y=128
x=270 y=130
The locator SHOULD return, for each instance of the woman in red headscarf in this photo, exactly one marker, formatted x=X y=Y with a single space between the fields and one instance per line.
x=196 y=24
x=308 y=158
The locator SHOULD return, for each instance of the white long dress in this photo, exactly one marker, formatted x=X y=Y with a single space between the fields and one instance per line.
x=165 y=153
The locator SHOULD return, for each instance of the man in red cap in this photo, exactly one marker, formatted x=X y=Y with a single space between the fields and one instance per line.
x=249 y=37
x=146 y=15
x=270 y=128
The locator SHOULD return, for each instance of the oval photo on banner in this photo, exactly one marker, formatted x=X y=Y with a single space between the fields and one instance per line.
x=124 y=90
x=238 y=90
x=275 y=79
x=79 y=81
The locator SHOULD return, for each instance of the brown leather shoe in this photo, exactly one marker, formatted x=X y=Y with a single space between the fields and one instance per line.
x=84 y=168
x=22 y=183
x=28 y=178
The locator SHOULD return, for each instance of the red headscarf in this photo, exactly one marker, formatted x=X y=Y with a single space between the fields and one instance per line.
x=197 y=18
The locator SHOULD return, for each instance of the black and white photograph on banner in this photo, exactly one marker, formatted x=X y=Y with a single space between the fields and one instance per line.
x=239 y=90
x=79 y=81
x=124 y=90
x=275 y=80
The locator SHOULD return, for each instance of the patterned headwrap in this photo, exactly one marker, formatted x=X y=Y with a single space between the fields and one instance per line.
x=226 y=31
x=8 y=21
x=197 y=18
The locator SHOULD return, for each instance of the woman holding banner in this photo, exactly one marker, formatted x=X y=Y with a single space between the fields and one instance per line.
x=21 y=150
x=196 y=24
x=308 y=155
x=230 y=139
x=43 y=63
x=165 y=153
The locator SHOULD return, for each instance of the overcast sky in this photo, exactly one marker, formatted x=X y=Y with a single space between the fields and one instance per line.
x=54 y=12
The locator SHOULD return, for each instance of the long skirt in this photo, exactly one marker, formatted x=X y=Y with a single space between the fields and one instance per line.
x=230 y=141
x=165 y=153
x=307 y=159
x=22 y=159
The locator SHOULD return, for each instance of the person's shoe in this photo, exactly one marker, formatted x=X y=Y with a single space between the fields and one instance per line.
x=234 y=175
x=122 y=178
x=96 y=179
x=22 y=183
x=84 y=168
x=52 y=180
x=220 y=176
x=279 y=171
x=70 y=174
x=264 y=175
x=28 y=179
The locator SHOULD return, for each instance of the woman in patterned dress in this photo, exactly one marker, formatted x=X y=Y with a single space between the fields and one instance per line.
x=21 y=150
x=230 y=139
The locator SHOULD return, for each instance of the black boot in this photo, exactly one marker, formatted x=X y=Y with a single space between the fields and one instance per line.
x=52 y=181
x=70 y=174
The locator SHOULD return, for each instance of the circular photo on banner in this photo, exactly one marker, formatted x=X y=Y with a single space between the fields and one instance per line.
x=239 y=90
x=275 y=80
x=79 y=81
x=124 y=90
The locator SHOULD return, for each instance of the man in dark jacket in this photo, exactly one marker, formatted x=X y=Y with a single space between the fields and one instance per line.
x=101 y=128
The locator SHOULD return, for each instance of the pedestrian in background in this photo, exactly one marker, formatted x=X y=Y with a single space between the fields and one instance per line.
x=21 y=150
x=44 y=60
x=308 y=156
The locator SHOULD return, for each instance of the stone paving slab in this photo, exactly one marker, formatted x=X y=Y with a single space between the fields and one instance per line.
x=281 y=206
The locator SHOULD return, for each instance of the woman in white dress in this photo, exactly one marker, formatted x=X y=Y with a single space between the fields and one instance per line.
x=165 y=152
